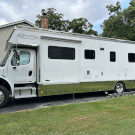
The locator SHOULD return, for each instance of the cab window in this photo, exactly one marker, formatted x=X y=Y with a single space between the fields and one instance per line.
x=22 y=59
x=5 y=59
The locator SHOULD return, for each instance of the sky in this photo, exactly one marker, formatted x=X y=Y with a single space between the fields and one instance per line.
x=93 y=10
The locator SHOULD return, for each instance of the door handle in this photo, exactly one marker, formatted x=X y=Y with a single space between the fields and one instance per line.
x=14 y=67
x=30 y=73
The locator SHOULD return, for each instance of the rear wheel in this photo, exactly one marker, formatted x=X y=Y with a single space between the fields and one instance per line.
x=119 y=87
x=4 y=96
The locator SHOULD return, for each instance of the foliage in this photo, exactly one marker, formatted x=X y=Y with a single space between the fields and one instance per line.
x=82 y=26
x=54 y=19
x=56 y=22
x=121 y=24
x=116 y=9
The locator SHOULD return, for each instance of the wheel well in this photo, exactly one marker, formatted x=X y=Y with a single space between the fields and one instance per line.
x=5 y=84
x=120 y=82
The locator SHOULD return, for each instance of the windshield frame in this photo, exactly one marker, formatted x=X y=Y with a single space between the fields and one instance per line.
x=4 y=61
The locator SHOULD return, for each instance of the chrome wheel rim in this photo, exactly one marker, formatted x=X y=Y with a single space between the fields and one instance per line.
x=119 y=87
x=1 y=97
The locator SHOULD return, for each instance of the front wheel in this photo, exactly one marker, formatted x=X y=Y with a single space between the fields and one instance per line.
x=119 y=87
x=4 y=96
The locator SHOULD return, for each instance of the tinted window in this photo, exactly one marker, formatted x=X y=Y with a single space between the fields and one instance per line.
x=131 y=57
x=68 y=53
x=55 y=52
x=112 y=56
x=89 y=54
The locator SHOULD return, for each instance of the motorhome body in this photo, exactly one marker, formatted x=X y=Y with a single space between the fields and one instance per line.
x=46 y=62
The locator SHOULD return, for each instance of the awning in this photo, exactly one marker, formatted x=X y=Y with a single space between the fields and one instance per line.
x=61 y=39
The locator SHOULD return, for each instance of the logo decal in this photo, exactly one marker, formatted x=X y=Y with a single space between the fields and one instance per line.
x=21 y=35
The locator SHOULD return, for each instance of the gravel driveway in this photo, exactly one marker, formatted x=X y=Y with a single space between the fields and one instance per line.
x=40 y=102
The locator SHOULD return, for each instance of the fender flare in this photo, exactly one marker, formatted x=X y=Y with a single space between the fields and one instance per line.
x=9 y=82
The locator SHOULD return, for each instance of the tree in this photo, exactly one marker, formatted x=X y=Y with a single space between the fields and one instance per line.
x=120 y=24
x=114 y=9
x=54 y=19
x=82 y=26
x=56 y=22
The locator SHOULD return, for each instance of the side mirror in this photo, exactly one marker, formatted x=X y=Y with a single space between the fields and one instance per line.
x=17 y=58
x=17 y=61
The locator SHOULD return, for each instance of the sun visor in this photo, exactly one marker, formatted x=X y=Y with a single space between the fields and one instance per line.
x=10 y=45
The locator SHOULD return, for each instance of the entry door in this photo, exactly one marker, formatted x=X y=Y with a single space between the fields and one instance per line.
x=25 y=71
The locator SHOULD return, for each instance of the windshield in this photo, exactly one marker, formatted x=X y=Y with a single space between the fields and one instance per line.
x=5 y=59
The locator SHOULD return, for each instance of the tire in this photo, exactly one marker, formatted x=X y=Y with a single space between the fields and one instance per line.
x=4 y=96
x=119 y=87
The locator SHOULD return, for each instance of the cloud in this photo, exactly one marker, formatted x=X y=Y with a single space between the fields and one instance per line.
x=25 y=6
x=9 y=12
x=15 y=1
x=94 y=10
x=2 y=22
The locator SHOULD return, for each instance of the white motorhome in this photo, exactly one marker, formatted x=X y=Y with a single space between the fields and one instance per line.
x=46 y=62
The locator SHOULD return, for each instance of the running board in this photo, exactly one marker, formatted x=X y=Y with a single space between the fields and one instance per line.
x=24 y=92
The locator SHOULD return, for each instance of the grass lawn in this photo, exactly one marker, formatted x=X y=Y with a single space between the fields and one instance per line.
x=107 y=117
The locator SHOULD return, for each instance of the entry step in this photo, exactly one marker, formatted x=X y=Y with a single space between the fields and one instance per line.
x=29 y=96
x=24 y=88
x=25 y=92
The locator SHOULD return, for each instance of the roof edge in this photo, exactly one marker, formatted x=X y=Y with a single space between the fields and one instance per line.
x=13 y=23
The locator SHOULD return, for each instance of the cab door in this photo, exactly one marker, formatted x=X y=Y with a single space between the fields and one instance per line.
x=22 y=67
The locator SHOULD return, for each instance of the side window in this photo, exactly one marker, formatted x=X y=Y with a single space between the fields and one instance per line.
x=23 y=60
x=89 y=54
x=5 y=59
x=55 y=52
x=131 y=57
x=112 y=56
x=68 y=53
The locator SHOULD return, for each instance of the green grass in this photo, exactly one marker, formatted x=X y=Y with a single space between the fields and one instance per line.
x=107 y=117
